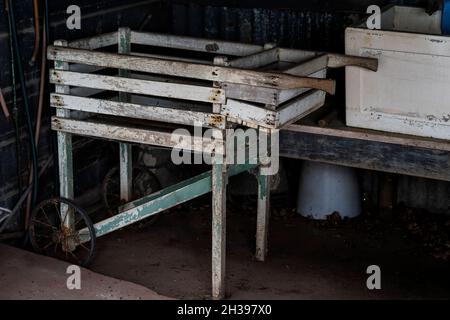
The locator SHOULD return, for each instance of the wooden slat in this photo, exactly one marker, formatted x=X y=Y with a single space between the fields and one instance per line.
x=96 y=42
x=131 y=110
x=300 y=108
x=256 y=60
x=172 y=58
x=194 y=44
x=137 y=86
x=254 y=115
x=308 y=67
x=249 y=114
x=189 y=70
x=134 y=135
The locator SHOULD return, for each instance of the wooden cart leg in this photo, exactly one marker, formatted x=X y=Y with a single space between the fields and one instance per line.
x=65 y=162
x=262 y=220
x=263 y=212
x=126 y=171
x=219 y=179
x=219 y=190
x=126 y=164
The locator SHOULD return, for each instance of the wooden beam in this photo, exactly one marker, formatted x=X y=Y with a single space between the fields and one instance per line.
x=366 y=154
x=159 y=201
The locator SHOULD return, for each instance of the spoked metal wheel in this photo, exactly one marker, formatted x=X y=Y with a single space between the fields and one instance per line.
x=60 y=228
x=145 y=182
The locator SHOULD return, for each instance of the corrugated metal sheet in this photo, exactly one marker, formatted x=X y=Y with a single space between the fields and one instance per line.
x=292 y=28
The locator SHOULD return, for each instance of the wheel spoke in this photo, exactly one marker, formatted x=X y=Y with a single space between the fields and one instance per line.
x=76 y=258
x=46 y=216
x=77 y=222
x=43 y=236
x=58 y=212
x=84 y=247
x=44 y=224
x=47 y=246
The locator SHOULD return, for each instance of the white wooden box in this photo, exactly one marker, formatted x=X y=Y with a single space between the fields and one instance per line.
x=410 y=93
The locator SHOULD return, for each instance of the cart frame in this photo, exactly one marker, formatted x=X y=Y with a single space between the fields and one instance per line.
x=238 y=95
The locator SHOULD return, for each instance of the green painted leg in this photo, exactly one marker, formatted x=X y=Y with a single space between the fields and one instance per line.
x=65 y=161
x=126 y=166
x=126 y=171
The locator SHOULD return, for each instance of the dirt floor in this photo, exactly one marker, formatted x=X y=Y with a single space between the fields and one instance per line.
x=26 y=275
x=307 y=259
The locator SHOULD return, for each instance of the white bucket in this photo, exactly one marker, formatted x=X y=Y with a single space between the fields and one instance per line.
x=325 y=189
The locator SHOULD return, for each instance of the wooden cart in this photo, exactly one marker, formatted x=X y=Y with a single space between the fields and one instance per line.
x=157 y=83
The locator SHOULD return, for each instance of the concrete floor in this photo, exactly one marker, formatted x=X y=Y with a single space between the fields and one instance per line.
x=307 y=260
x=25 y=275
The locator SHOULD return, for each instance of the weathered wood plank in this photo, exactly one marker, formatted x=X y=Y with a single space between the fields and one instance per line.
x=365 y=154
x=308 y=67
x=375 y=136
x=249 y=114
x=96 y=42
x=251 y=93
x=134 y=135
x=137 y=111
x=138 y=86
x=160 y=56
x=189 y=70
x=300 y=107
x=256 y=60
x=254 y=115
x=194 y=44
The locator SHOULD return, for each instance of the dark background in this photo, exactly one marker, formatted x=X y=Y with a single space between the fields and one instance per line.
x=317 y=25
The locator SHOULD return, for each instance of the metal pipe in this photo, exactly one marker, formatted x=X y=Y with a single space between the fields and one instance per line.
x=23 y=88
x=38 y=116
x=37 y=39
